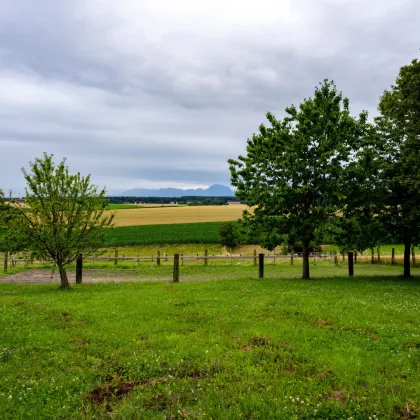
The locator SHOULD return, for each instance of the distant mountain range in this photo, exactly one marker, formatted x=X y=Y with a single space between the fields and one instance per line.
x=215 y=190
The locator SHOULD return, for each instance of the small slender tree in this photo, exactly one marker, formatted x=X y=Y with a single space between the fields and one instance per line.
x=66 y=216
x=293 y=169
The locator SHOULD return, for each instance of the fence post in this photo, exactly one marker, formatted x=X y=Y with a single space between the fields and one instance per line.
x=261 y=266
x=182 y=259
x=255 y=257
x=166 y=257
x=413 y=255
x=335 y=260
x=393 y=256
x=355 y=257
x=372 y=258
x=79 y=269
x=351 y=267
x=176 y=268
x=206 y=253
x=116 y=256
x=6 y=257
x=379 y=255
x=138 y=257
x=158 y=258
x=291 y=260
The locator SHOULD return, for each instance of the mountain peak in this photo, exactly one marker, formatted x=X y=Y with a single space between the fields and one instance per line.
x=215 y=190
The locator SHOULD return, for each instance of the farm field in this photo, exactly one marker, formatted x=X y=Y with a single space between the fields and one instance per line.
x=164 y=234
x=180 y=214
x=241 y=347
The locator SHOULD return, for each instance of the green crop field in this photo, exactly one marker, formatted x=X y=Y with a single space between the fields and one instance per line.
x=164 y=234
x=238 y=348
x=123 y=206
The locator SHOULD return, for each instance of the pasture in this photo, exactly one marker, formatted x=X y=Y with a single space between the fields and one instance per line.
x=240 y=347
x=180 y=214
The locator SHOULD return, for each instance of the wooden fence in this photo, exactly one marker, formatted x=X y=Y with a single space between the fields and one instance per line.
x=12 y=260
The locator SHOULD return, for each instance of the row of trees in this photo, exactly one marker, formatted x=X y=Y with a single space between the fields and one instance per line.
x=190 y=200
x=320 y=171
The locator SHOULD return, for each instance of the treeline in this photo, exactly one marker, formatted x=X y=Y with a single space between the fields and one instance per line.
x=188 y=200
x=321 y=174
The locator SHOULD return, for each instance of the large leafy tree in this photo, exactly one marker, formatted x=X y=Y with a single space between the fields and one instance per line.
x=293 y=169
x=66 y=216
x=399 y=125
x=360 y=223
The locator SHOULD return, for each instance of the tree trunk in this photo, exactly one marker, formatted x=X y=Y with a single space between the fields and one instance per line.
x=305 y=249
x=407 y=249
x=63 y=277
x=79 y=269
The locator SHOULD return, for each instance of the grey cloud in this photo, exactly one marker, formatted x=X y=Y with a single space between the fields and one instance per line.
x=128 y=102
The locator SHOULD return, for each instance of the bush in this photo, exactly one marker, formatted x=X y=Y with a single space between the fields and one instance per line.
x=229 y=234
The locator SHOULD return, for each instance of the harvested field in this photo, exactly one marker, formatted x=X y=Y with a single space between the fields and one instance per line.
x=181 y=214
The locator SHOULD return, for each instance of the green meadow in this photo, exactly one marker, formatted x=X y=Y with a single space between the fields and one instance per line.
x=235 y=347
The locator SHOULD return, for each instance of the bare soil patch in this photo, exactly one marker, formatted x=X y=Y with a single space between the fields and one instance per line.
x=43 y=276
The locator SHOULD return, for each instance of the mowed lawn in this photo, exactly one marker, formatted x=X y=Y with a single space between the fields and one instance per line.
x=237 y=348
x=181 y=214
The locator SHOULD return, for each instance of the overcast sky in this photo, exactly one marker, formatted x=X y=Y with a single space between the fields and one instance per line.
x=160 y=93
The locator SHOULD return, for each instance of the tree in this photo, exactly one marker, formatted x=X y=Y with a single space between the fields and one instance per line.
x=229 y=234
x=10 y=240
x=293 y=169
x=66 y=216
x=399 y=124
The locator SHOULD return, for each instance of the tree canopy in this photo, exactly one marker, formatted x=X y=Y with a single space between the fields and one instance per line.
x=66 y=216
x=293 y=169
x=399 y=127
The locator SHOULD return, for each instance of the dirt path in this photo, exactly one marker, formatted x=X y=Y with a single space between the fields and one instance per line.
x=38 y=276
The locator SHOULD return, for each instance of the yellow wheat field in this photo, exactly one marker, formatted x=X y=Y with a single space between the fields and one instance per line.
x=173 y=215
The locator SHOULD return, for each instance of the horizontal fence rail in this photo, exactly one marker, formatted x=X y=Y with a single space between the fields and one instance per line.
x=165 y=257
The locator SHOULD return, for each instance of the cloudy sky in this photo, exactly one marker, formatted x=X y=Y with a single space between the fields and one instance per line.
x=159 y=93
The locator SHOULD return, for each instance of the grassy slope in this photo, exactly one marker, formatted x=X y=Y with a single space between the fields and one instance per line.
x=241 y=347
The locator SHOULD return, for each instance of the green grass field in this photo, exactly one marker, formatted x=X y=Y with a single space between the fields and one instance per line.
x=237 y=348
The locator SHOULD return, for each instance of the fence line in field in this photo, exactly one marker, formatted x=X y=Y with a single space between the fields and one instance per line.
x=10 y=260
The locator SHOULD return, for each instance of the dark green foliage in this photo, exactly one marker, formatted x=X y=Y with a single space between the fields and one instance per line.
x=399 y=125
x=294 y=169
x=10 y=239
x=193 y=200
x=229 y=234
